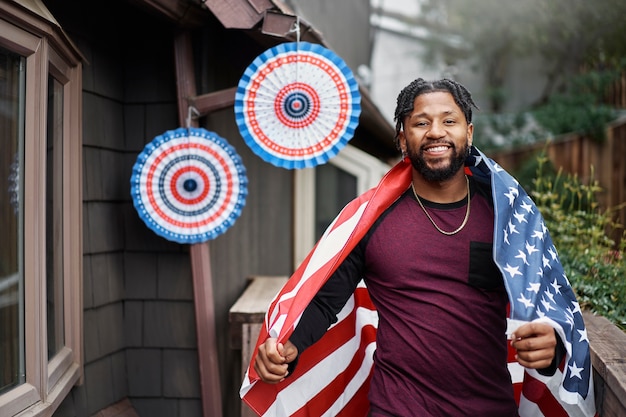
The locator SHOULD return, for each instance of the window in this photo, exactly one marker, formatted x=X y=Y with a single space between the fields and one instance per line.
x=321 y=192
x=11 y=220
x=40 y=213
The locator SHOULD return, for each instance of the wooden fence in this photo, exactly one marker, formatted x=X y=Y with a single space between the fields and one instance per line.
x=604 y=162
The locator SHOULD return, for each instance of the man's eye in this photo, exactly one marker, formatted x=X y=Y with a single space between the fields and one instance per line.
x=449 y=122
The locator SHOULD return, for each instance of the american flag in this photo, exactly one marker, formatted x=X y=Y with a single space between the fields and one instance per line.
x=332 y=376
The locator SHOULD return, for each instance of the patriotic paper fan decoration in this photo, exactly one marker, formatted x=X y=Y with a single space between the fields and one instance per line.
x=297 y=105
x=189 y=185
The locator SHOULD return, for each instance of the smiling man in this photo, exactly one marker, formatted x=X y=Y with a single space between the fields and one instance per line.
x=428 y=262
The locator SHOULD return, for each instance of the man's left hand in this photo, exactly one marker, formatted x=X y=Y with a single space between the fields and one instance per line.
x=535 y=344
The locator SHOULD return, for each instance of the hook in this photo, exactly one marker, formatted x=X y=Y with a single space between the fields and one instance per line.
x=190 y=110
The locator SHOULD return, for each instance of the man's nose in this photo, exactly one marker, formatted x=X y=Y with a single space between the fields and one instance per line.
x=437 y=130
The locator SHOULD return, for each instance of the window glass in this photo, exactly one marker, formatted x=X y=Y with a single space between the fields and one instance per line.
x=11 y=220
x=54 y=218
x=334 y=188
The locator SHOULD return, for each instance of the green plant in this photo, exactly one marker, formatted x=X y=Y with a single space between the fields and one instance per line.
x=579 y=109
x=594 y=263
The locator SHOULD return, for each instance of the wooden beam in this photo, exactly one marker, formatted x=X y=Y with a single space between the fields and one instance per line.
x=211 y=102
x=200 y=259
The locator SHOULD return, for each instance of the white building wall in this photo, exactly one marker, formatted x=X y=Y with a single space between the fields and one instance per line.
x=398 y=59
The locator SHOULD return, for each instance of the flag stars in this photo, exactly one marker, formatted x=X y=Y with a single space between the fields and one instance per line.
x=534 y=287
x=576 y=307
x=512 y=228
x=511 y=195
x=552 y=253
x=546 y=261
x=546 y=304
x=526 y=206
x=575 y=371
x=569 y=317
x=512 y=270
x=521 y=255
x=556 y=286
x=525 y=301
x=583 y=335
x=520 y=217
x=538 y=234
x=549 y=295
x=531 y=248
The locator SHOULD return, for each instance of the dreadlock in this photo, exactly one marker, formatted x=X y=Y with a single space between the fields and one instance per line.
x=406 y=98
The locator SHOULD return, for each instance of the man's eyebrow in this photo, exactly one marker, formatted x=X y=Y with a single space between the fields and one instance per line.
x=443 y=113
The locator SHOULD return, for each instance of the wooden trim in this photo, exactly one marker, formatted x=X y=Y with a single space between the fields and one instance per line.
x=205 y=324
x=238 y=14
x=200 y=259
x=186 y=13
x=608 y=350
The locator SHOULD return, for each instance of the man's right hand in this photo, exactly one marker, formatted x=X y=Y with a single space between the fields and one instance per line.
x=272 y=359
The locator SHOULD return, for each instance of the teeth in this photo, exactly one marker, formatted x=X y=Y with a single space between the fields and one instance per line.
x=438 y=149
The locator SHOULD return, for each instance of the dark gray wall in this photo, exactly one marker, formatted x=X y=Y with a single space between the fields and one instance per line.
x=139 y=323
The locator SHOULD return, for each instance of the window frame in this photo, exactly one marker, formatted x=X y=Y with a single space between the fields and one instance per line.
x=368 y=171
x=34 y=35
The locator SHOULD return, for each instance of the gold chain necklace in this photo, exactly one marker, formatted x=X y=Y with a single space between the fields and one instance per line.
x=467 y=212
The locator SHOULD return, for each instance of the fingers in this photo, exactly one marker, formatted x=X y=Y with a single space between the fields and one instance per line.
x=272 y=360
x=288 y=351
x=535 y=344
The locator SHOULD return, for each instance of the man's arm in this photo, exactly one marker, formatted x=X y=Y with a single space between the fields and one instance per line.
x=274 y=361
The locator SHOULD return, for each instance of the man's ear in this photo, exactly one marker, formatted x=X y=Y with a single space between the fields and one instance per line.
x=402 y=142
x=470 y=134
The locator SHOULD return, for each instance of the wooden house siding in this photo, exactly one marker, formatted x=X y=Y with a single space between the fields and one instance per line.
x=140 y=338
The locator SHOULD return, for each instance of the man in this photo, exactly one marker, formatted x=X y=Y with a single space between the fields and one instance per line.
x=427 y=260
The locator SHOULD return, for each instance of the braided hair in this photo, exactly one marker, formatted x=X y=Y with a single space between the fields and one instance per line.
x=406 y=98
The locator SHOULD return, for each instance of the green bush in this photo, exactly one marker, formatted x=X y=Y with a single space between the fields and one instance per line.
x=580 y=107
x=593 y=262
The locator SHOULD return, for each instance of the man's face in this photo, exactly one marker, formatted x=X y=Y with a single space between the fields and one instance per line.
x=436 y=136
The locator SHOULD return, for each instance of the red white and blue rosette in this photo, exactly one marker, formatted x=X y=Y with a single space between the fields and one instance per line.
x=297 y=105
x=189 y=185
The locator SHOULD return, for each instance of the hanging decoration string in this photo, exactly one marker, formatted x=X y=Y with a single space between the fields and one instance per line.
x=192 y=112
x=296 y=29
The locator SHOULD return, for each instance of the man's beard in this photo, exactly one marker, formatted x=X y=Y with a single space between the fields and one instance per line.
x=456 y=162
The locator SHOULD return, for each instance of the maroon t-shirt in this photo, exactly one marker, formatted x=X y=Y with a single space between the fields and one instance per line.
x=441 y=344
